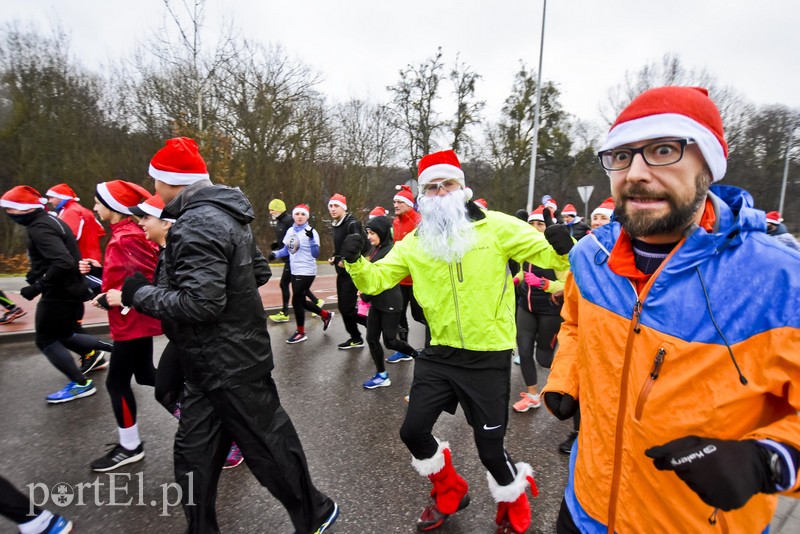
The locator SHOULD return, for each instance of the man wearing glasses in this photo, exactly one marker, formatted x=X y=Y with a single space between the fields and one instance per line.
x=457 y=258
x=680 y=338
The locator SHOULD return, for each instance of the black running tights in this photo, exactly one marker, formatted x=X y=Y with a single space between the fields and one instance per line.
x=131 y=358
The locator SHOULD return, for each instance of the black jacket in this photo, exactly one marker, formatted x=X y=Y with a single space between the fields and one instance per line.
x=391 y=300
x=533 y=299
x=282 y=225
x=349 y=225
x=578 y=229
x=210 y=307
x=53 y=253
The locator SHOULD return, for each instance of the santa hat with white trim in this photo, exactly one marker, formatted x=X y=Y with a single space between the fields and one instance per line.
x=178 y=162
x=569 y=209
x=605 y=208
x=444 y=165
x=549 y=203
x=120 y=196
x=338 y=200
x=153 y=206
x=301 y=208
x=674 y=112
x=62 y=191
x=482 y=203
x=378 y=211
x=537 y=215
x=774 y=217
x=22 y=197
x=404 y=195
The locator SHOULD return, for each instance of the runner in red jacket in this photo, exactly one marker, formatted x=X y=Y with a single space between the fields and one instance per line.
x=80 y=220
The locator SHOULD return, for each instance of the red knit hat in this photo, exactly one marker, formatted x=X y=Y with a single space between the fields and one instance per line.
x=443 y=164
x=404 y=195
x=773 y=217
x=606 y=208
x=178 y=163
x=62 y=191
x=569 y=209
x=674 y=112
x=537 y=215
x=339 y=200
x=22 y=197
x=120 y=196
x=378 y=211
x=153 y=206
x=301 y=208
x=481 y=202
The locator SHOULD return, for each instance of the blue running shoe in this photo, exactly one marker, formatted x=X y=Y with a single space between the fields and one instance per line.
x=71 y=392
x=377 y=381
x=329 y=521
x=398 y=357
x=58 y=525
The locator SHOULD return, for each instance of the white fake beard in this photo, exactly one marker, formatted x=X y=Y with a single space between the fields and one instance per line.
x=445 y=232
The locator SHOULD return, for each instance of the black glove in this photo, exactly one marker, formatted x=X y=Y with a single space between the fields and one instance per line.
x=352 y=247
x=131 y=285
x=275 y=246
x=310 y=233
x=562 y=405
x=724 y=473
x=558 y=237
x=102 y=300
x=271 y=256
x=31 y=291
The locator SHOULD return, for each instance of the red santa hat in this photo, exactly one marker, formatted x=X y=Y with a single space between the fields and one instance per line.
x=153 y=206
x=773 y=217
x=444 y=165
x=62 y=191
x=404 y=195
x=377 y=211
x=120 y=196
x=481 y=202
x=338 y=200
x=537 y=215
x=178 y=163
x=569 y=209
x=674 y=112
x=606 y=208
x=22 y=197
x=549 y=203
x=302 y=209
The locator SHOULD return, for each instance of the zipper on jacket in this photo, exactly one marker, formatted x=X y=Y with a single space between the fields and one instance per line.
x=717 y=516
x=657 y=362
x=455 y=301
x=637 y=314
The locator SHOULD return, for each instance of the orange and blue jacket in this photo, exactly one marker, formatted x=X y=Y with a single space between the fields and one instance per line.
x=669 y=357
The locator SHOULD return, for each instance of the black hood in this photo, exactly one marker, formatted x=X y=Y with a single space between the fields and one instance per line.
x=383 y=227
x=228 y=199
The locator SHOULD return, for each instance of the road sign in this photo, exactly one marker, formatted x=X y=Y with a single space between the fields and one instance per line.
x=585 y=191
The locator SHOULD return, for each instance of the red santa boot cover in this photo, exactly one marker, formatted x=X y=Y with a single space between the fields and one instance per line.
x=513 y=508
x=449 y=489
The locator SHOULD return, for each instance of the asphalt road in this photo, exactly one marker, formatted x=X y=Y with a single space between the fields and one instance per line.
x=349 y=434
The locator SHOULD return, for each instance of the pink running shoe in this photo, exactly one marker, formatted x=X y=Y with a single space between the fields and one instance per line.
x=234 y=457
x=527 y=402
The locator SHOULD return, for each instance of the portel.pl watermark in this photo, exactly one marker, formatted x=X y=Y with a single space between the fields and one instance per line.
x=110 y=489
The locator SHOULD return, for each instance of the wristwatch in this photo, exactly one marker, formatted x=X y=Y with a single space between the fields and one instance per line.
x=776 y=469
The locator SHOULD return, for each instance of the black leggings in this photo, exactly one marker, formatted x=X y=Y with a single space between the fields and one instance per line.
x=301 y=286
x=286 y=282
x=384 y=322
x=58 y=331
x=416 y=309
x=169 y=378
x=130 y=358
x=15 y=505
x=539 y=330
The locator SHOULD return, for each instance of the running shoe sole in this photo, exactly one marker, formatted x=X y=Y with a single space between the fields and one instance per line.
x=299 y=340
x=383 y=384
x=97 y=365
x=126 y=461
x=330 y=521
x=13 y=317
x=231 y=466
x=78 y=396
x=406 y=358
x=348 y=347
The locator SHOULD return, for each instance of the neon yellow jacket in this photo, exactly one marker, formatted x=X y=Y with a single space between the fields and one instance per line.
x=468 y=304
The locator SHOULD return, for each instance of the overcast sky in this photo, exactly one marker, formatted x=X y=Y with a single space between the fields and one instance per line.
x=359 y=46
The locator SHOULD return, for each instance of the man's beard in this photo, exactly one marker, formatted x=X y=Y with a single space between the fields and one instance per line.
x=682 y=211
x=445 y=232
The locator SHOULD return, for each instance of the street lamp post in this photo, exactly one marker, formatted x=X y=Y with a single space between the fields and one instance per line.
x=786 y=165
x=535 y=143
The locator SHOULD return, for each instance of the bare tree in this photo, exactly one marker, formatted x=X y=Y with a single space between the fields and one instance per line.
x=468 y=109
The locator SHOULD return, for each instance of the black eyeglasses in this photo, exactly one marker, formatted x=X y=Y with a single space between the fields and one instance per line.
x=655 y=154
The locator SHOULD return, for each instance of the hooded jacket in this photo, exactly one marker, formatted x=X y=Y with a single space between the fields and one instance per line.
x=651 y=367
x=84 y=226
x=210 y=307
x=53 y=255
x=469 y=304
x=391 y=300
